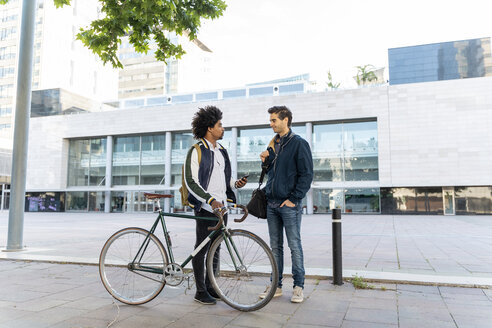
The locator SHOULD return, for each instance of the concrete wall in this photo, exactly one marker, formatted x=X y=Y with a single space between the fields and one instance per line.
x=430 y=134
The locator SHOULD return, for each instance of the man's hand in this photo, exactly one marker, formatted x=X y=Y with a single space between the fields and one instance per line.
x=241 y=182
x=264 y=155
x=288 y=203
x=216 y=204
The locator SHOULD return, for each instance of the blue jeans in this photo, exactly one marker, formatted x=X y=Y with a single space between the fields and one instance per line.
x=288 y=218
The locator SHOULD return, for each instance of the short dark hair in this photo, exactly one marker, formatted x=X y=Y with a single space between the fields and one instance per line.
x=205 y=118
x=282 y=112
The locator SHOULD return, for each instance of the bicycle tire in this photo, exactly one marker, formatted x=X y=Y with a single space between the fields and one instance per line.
x=125 y=285
x=241 y=290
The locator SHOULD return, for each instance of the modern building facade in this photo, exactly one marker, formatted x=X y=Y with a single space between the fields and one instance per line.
x=60 y=61
x=440 y=61
x=420 y=148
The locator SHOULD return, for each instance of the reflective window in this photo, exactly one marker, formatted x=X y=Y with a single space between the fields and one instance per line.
x=126 y=160
x=182 y=141
x=96 y=201
x=345 y=152
x=325 y=200
x=411 y=201
x=362 y=200
x=473 y=200
x=76 y=201
x=97 y=171
x=78 y=162
x=153 y=159
x=250 y=143
x=45 y=202
x=360 y=145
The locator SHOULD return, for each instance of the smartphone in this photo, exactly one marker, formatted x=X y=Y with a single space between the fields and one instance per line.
x=245 y=176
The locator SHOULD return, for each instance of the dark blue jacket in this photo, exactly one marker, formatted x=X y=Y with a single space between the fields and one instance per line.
x=290 y=172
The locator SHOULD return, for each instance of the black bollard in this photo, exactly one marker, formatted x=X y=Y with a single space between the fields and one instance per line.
x=336 y=229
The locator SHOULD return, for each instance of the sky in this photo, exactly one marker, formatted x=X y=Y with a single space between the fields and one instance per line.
x=261 y=40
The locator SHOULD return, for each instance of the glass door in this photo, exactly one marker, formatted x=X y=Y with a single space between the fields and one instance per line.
x=448 y=200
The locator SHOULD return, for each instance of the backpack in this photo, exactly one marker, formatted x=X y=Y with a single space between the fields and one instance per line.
x=183 y=190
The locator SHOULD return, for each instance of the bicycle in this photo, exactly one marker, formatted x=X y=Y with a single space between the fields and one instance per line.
x=134 y=265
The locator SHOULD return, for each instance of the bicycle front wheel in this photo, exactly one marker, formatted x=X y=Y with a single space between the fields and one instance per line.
x=128 y=281
x=240 y=267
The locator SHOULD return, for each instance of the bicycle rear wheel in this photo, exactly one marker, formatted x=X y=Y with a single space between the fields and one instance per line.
x=244 y=268
x=122 y=278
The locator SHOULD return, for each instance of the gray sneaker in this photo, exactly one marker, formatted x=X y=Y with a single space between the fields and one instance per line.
x=298 y=295
x=278 y=292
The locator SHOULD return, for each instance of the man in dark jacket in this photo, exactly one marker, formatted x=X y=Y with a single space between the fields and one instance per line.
x=208 y=178
x=290 y=173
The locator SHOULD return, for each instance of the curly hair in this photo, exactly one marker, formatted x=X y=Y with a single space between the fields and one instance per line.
x=203 y=119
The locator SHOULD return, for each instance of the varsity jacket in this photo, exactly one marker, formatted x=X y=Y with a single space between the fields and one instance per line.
x=197 y=190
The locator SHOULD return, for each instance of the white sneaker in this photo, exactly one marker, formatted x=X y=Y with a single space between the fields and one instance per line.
x=278 y=292
x=298 y=295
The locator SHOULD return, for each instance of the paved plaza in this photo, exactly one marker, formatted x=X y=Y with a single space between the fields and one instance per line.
x=420 y=264
x=37 y=294
x=454 y=250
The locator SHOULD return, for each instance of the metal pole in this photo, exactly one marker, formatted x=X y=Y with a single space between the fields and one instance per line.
x=21 y=127
x=167 y=169
x=109 y=174
x=336 y=228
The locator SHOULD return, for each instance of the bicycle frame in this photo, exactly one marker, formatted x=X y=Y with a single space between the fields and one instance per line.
x=161 y=218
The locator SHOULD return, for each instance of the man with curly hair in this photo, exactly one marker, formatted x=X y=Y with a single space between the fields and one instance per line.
x=210 y=185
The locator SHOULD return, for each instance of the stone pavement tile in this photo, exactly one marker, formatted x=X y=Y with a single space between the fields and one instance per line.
x=377 y=303
x=375 y=294
x=328 y=301
x=221 y=309
x=283 y=305
x=39 y=304
x=174 y=311
x=202 y=321
x=52 y=286
x=45 y=318
x=326 y=285
x=422 y=322
x=363 y=324
x=78 y=292
x=473 y=322
x=418 y=288
x=6 y=304
x=17 y=294
x=465 y=299
x=471 y=310
x=372 y=315
x=307 y=316
x=119 y=311
x=89 y=303
x=76 y=322
x=143 y=321
x=7 y=314
x=432 y=314
x=260 y=319
x=460 y=291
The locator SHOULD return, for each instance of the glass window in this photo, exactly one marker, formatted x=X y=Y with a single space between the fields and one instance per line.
x=411 y=201
x=78 y=162
x=126 y=160
x=362 y=200
x=97 y=171
x=181 y=143
x=360 y=151
x=327 y=152
x=153 y=159
x=324 y=200
x=77 y=201
x=45 y=202
x=96 y=201
x=250 y=143
x=473 y=200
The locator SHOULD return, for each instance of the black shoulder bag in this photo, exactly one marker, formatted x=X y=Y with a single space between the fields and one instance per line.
x=257 y=206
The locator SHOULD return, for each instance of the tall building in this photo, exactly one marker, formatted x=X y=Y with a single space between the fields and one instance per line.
x=60 y=61
x=440 y=61
x=144 y=76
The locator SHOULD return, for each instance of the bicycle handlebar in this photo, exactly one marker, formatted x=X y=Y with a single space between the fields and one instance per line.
x=220 y=212
x=244 y=215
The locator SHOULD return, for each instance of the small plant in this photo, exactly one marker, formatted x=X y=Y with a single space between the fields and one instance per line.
x=359 y=283
x=332 y=85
